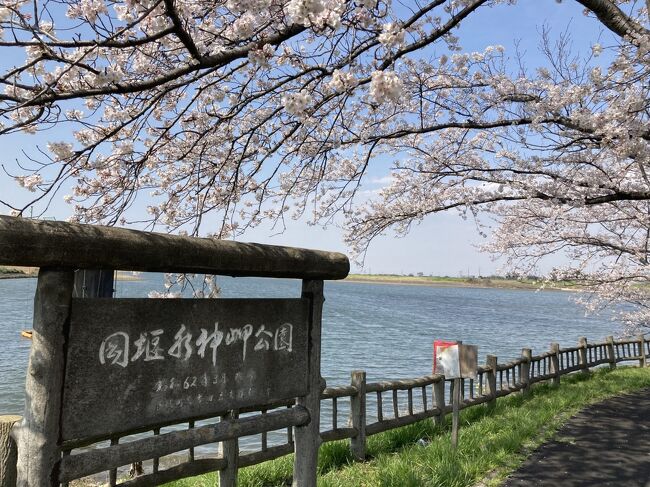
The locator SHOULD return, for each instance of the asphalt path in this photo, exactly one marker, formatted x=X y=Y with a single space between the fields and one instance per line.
x=606 y=444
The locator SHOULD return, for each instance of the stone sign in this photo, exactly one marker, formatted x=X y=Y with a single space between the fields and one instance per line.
x=136 y=363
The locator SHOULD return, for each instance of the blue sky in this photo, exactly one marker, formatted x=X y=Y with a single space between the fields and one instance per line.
x=442 y=244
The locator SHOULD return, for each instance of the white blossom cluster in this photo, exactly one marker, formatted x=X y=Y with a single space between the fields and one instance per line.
x=112 y=74
x=302 y=11
x=342 y=81
x=61 y=150
x=386 y=86
x=297 y=103
x=261 y=57
x=241 y=6
x=392 y=35
x=177 y=284
x=316 y=13
x=87 y=9
x=30 y=182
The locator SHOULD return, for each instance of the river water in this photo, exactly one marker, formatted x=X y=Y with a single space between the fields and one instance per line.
x=384 y=329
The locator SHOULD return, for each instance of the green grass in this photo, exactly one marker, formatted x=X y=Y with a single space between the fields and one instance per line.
x=491 y=444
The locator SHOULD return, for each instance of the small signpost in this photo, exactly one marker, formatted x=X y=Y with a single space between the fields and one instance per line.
x=455 y=361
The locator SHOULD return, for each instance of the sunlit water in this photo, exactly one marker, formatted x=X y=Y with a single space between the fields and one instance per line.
x=386 y=330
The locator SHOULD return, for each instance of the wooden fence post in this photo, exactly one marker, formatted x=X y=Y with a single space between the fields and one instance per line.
x=8 y=452
x=582 y=353
x=642 y=357
x=456 y=398
x=491 y=362
x=358 y=415
x=230 y=452
x=307 y=438
x=439 y=401
x=611 y=352
x=38 y=432
x=527 y=355
x=555 y=363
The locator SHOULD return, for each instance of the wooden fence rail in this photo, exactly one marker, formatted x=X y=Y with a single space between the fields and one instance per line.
x=370 y=408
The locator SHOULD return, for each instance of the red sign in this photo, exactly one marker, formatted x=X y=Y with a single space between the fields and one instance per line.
x=443 y=352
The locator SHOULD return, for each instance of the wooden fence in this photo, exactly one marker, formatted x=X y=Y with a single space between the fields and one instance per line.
x=361 y=409
x=375 y=407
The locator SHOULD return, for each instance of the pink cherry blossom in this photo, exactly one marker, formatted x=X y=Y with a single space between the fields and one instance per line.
x=216 y=116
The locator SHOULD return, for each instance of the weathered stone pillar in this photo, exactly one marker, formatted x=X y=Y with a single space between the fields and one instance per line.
x=491 y=362
x=582 y=343
x=555 y=363
x=526 y=354
x=611 y=352
x=642 y=356
x=8 y=451
x=358 y=415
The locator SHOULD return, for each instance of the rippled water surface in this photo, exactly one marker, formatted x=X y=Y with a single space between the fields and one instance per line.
x=384 y=329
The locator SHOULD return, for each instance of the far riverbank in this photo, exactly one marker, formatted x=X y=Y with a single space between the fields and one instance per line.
x=435 y=281
x=470 y=282
x=31 y=272
x=18 y=272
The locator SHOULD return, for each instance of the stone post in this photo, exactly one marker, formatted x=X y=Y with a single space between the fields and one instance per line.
x=491 y=362
x=358 y=415
x=527 y=355
x=642 y=356
x=439 y=400
x=8 y=452
x=582 y=353
x=37 y=435
x=611 y=352
x=555 y=363
x=230 y=452
x=307 y=438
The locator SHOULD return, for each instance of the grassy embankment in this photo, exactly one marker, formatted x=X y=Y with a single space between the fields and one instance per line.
x=484 y=282
x=492 y=443
x=13 y=272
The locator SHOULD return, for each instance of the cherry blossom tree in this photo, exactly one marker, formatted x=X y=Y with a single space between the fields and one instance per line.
x=559 y=158
x=218 y=115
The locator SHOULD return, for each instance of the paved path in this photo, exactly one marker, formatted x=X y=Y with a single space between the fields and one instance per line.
x=607 y=444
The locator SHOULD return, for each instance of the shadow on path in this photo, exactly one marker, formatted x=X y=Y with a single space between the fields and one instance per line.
x=605 y=444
